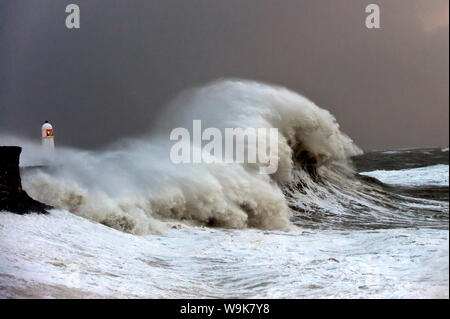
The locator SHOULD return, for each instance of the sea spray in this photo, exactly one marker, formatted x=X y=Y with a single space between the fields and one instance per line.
x=133 y=186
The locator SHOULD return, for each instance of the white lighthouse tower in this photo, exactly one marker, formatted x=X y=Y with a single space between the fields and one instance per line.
x=48 y=142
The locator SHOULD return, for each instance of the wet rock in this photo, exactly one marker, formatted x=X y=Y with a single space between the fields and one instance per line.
x=12 y=197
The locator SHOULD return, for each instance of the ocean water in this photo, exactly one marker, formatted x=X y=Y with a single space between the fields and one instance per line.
x=129 y=224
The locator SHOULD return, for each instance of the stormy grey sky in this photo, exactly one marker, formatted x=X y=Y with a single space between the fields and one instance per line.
x=387 y=87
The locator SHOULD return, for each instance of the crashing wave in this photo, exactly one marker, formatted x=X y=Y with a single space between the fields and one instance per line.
x=133 y=186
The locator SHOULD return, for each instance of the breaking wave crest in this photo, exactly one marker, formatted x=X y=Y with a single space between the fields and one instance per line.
x=134 y=187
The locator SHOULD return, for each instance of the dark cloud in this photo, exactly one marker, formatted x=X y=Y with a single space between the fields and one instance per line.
x=109 y=79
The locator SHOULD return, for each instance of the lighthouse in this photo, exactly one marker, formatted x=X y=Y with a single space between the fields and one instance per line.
x=47 y=138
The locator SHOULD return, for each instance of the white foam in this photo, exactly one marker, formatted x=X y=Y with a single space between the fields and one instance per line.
x=133 y=185
x=62 y=255
x=436 y=175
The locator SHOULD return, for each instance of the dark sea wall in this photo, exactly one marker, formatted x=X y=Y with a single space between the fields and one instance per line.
x=12 y=197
